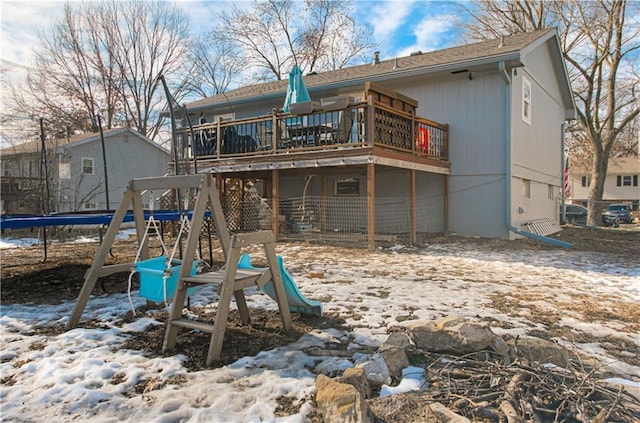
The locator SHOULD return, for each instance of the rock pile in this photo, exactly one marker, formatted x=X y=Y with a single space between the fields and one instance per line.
x=470 y=373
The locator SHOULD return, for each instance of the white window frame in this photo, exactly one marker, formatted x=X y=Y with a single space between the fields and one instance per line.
x=527 y=93
x=90 y=205
x=93 y=166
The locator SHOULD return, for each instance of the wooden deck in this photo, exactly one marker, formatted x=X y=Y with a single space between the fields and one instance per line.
x=380 y=127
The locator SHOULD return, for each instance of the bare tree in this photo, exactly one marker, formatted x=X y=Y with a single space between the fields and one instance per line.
x=148 y=39
x=215 y=66
x=274 y=35
x=103 y=58
x=600 y=46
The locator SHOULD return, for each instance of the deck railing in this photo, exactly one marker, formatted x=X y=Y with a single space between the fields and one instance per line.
x=359 y=125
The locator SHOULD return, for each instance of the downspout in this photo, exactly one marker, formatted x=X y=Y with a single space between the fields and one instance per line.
x=507 y=79
x=563 y=166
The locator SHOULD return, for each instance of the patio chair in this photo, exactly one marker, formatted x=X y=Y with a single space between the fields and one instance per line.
x=342 y=133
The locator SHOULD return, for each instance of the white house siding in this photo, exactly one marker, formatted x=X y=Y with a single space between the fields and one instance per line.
x=612 y=192
x=536 y=148
x=475 y=111
x=127 y=157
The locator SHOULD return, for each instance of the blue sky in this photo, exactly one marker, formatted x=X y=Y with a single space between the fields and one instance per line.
x=400 y=26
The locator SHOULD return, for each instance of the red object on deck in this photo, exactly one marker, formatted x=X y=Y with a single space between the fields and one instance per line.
x=422 y=140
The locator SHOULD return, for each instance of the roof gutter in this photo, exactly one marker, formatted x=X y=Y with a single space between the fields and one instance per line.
x=507 y=79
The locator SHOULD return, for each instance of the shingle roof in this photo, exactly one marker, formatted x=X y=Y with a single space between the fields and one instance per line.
x=35 y=146
x=461 y=55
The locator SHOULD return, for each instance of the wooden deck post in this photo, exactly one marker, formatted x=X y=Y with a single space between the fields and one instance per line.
x=371 y=122
x=218 y=137
x=324 y=197
x=275 y=133
x=412 y=204
x=446 y=204
x=275 y=207
x=371 y=206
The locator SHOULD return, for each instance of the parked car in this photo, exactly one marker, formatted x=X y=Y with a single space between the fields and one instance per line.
x=610 y=220
x=574 y=213
x=621 y=212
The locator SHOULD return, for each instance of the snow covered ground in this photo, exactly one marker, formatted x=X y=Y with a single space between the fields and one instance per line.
x=85 y=374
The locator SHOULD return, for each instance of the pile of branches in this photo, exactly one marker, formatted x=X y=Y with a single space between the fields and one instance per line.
x=519 y=391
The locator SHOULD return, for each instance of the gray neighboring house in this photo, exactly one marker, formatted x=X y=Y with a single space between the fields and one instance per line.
x=76 y=171
x=502 y=105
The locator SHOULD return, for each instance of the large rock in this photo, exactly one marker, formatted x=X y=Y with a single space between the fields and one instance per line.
x=538 y=350
x=398 y=340
x=453 y=334
x=356 y=377
x=376 y=369
x=341 y=402
x=396 y=360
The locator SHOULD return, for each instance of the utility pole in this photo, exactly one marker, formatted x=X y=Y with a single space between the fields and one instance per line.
x=44 y=173
x=104 y=162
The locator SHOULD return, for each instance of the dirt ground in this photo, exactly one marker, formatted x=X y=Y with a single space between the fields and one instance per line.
x=25 y=279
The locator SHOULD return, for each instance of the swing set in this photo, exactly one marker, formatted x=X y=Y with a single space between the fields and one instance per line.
x=168 y=277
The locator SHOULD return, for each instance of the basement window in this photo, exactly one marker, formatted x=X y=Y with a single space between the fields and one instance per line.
x=526 y=188
x=347 y=187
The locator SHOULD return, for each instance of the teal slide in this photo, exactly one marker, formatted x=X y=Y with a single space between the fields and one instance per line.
x=298 y=303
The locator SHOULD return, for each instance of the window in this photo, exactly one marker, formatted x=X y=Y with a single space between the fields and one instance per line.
x=225 y=117
x=87 y=166
x=586 y=181
x=627 y=180
x=348 y=186
x=550 y=191
x=526 y=188
x=526 y=100
x=90 y=206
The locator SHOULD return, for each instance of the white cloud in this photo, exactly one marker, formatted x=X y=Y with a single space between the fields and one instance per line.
x=387 y=16
x=429 y=33
x=21 y=21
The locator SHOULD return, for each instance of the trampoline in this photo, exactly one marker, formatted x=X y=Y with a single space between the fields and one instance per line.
x=78 y=219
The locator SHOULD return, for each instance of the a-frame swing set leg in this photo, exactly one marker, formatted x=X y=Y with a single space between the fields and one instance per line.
x=95 y=271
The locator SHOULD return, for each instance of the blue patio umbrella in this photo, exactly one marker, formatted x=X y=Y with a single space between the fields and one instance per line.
x=297 y=91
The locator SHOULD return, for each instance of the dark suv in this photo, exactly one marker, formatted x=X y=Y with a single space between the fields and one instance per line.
x=574 y=214
x=621 y=213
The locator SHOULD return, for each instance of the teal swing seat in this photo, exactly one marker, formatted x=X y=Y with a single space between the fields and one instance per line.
x=153 y=284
